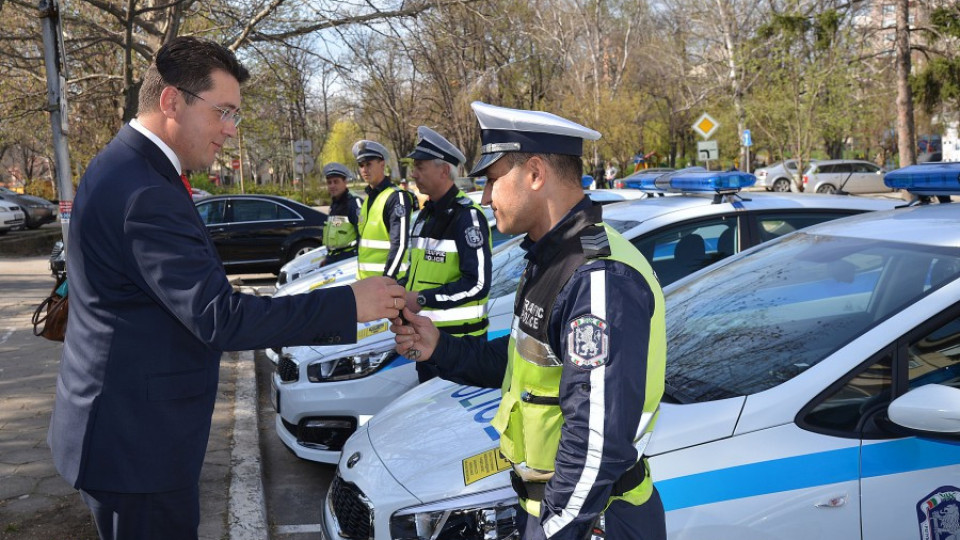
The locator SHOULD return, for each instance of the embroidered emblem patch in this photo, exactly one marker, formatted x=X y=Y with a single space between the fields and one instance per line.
x=939 y=514
x=473 y=237
x=587 y=341
x=399 y=210
x=338 y=221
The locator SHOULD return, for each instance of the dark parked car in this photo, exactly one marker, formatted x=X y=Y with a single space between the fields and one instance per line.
x=260 y=233
x=38 y=210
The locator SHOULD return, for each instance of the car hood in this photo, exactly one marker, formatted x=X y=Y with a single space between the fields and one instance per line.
x=459 y=429
x=343 y=273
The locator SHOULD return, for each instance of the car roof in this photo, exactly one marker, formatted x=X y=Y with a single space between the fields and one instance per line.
x=833 y=161
x=930 y=225
x=645 y=209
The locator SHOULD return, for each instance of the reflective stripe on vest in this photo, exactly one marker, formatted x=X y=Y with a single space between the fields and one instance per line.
x=374 y=245
x=436 y=261
x=529 y=418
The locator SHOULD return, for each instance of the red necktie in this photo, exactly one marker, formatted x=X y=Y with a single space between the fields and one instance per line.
x=186 y=184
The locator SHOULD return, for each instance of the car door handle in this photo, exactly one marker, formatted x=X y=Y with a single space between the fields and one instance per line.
x=217 y=229
x=833 y=502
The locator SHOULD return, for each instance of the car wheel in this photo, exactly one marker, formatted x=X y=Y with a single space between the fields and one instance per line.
x=300 y=248
x=781 y=185
x=826 y=188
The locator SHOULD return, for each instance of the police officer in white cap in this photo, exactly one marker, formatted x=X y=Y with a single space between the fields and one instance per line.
x=384 y=216
x=341 y=232
x=582 y=371
x=449 y=276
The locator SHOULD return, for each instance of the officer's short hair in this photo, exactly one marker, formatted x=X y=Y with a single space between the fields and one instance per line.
x=451 y=168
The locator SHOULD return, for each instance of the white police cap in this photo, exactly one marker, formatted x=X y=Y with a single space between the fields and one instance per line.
x=432 y=145
x=336 y=169
x=364 y=150
x=505 y=130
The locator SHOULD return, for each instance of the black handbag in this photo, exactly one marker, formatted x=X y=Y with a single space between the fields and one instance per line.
x=50 y=318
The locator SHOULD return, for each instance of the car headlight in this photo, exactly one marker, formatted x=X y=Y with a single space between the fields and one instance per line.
x=491 y=515
x=354 y=366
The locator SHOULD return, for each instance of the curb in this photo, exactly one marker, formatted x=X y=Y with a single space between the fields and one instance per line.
x=247 y=508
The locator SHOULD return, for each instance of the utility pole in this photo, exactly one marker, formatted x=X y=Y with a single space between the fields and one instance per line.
x=55 y=63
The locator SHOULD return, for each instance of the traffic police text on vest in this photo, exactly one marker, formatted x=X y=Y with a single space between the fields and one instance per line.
x=450 y=261
x=384 y=222
x=340 y=232
x=582 y=371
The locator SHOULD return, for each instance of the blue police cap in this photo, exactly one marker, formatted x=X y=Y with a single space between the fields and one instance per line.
x=505 y=130
x=336 y=169
x=432 y=145
x=364 y=150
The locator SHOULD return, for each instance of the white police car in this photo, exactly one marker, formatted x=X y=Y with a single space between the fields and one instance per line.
x=813 y=391
x=324 y=393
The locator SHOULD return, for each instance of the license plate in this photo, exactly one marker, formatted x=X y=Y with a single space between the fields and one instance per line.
x=18 y=215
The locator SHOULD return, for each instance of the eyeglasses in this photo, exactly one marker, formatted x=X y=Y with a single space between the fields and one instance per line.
x=225 y=114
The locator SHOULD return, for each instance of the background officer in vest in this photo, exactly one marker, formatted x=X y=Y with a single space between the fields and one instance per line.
x=340 y=233
x=384 y=217
x=582 y=370
x=449 y=276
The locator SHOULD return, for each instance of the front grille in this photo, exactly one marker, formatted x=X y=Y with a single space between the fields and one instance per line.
x=353 y=512
x=288 y=370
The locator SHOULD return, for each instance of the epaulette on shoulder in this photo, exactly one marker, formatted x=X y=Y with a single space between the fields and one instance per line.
x=465 y=201
x=594 y=242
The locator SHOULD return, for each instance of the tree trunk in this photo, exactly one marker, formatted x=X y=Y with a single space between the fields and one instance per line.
x=905 y=128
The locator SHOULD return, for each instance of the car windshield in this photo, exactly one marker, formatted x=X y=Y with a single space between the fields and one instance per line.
x=761 y=320
x=509 y=263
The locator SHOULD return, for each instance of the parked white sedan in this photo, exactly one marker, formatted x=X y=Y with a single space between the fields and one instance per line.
x=813 y=391
x=323 y=394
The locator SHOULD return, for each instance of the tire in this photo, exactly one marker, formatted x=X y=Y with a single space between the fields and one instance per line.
x=826 y=188
x=33 y=225
x=781 y=185
x=300 y=248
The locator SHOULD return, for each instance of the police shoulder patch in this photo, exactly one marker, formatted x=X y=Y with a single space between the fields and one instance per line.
x=587 y=341
x=399 y=210
x=473 y=237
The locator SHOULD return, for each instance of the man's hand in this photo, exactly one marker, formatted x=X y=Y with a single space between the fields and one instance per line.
x=417 y=339
x=377 y=298
x=412 y=304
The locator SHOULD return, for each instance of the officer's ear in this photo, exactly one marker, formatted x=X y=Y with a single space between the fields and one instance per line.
x=536 y=171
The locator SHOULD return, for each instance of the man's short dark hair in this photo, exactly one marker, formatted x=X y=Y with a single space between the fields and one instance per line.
x=568 y=168
x=187 y=62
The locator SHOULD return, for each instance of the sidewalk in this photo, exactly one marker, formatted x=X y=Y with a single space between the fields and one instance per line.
x=35 y=502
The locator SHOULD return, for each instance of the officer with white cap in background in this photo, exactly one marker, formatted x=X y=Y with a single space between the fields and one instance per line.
x=582 y=371
x=341 y=232
x=449 y=277
x=384 y=216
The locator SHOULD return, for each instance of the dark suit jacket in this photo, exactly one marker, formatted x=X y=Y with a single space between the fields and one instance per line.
x=151 y=311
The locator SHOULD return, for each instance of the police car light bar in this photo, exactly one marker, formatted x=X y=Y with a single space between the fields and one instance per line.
x=705 y=181
x=926 y=179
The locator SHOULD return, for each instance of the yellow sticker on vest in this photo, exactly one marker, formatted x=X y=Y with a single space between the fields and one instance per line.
x=372 y=330
x=483 y=465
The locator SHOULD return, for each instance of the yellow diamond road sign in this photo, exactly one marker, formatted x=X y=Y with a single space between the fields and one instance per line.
x=705 y=125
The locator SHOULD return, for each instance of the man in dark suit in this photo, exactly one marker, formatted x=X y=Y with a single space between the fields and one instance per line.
x=152 y=310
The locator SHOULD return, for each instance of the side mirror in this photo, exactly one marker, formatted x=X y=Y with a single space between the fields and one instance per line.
x=931 y=410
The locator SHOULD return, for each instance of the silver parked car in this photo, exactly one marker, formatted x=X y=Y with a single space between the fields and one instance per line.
x=844 y=175
x=776 y=177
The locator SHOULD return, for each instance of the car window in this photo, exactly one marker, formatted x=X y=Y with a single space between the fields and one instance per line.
x=678 y=251
x=212 y=213
x=732 y=334
x=245 y=210
x=864 y=168
x=773 y=225
x=936 y=357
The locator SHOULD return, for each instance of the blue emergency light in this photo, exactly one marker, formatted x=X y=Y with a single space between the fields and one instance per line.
x=705 y=181
x=926 y=179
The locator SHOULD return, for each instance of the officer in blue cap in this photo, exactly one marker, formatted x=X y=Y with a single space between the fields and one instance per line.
x=582 y=371
x=384 y=216
x=341 y=232
x=449 y=276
